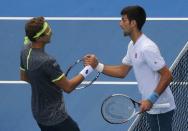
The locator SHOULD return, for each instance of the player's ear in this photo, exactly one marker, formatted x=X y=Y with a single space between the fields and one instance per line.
x=133 y=23
x=38 y=39
x=42 y=39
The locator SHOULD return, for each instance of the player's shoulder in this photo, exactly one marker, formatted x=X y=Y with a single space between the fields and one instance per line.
x=149 y=44
x=40 y=57
x=131 y=44
x=25 y=48
x=50 y=59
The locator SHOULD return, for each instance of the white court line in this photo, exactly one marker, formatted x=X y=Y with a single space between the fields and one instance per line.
x=84 y=82
x=97 y=18
x=98 y=82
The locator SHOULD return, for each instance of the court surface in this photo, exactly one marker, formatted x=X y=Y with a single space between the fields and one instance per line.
x=71 y=40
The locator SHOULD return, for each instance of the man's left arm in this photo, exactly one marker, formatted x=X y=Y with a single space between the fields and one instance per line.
x=157 y=63
x=23 y=76
x=165 y=79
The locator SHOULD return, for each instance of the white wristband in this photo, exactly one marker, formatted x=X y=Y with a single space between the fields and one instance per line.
x=86 y=71
x=100 y=67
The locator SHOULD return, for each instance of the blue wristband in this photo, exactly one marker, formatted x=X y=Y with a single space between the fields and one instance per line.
x=153 y=97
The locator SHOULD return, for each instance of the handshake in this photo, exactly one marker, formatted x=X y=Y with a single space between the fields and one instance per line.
x=91 y=59
x=90 y=62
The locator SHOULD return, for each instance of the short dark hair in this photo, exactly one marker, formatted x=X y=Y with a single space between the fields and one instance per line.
x=136 y=13
x=33 y=26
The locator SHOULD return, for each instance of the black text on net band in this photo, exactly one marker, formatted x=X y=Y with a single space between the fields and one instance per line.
x=85 y=83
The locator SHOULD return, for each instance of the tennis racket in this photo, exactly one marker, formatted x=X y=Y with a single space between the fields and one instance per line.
x=120 y=108
x=75 y=68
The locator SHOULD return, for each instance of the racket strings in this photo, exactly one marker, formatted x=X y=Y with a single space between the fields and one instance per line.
x=117 y=109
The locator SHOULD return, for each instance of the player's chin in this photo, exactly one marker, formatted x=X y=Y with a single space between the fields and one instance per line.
x=125 y=34
x=48 y=41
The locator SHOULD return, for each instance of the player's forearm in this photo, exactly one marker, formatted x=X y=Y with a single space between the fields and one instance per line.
x=164 y=81
x=69 y=85
x=115 y=71
x=75 y=82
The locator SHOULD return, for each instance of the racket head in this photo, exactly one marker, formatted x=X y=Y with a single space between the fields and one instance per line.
x=118 y=109
x=74 y=70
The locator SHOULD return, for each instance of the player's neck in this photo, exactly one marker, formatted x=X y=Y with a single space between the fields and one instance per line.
x=38 y=45
x=135 y=36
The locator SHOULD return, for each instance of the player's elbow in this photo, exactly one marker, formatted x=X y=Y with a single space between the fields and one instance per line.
x=24 y=79
x=170 y=77
x=124 y=71
x=68 y=89
x=166 y=75
x=122 y=75
x=65 y=85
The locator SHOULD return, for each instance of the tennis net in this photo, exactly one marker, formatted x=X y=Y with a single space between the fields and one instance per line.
x=179 y=88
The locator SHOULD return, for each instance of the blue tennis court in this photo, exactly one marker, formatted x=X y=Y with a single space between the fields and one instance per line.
x=73 y=39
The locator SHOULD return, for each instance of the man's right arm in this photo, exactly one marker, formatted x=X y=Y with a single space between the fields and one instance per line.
x=69 y=85
x=53 y=71
x=119 y=71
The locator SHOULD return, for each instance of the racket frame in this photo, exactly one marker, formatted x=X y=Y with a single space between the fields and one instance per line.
x=135 y=104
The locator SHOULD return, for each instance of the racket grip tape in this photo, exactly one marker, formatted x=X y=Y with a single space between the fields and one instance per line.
x=86 y=71
x=153 y=97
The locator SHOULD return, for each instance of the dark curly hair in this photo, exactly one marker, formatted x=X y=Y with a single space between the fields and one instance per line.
x=33 y=26
x=136 y=13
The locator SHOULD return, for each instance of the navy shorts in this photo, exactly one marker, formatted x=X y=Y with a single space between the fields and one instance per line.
x=67 y=125
x=160 y=122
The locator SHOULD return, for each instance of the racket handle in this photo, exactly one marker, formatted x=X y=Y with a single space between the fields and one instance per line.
x=165 y=105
